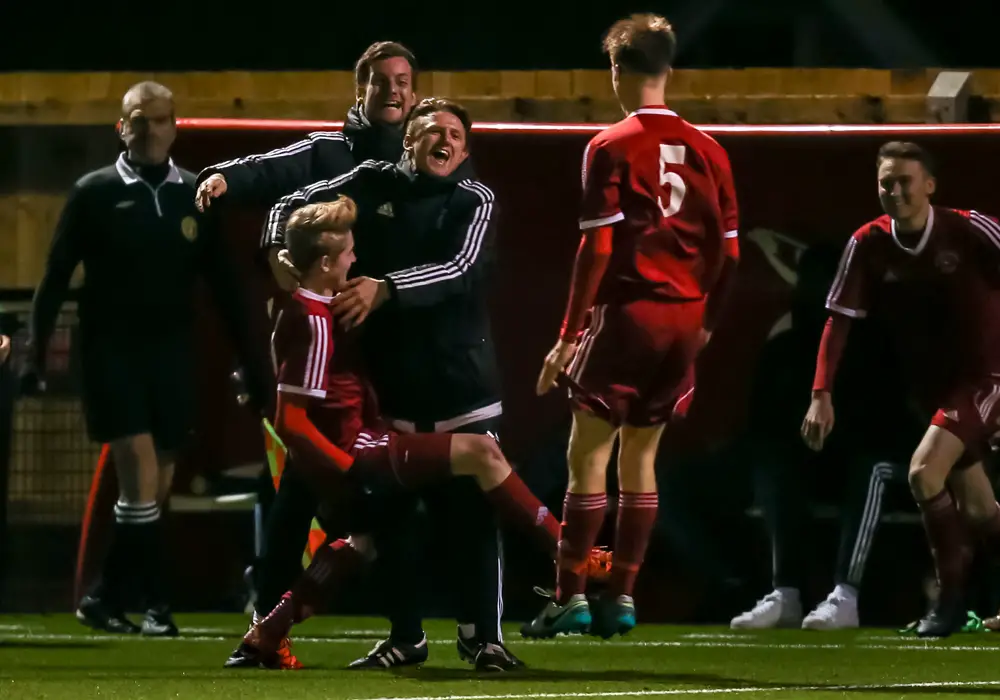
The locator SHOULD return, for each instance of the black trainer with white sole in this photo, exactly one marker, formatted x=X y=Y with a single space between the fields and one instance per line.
x=159 y=622
x=496 y=658
x=96 y=615
x=389 y=654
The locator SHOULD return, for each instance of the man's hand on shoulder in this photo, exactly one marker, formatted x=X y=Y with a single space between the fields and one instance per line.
x=284 y=271
x=360 y=297
x=212 y=188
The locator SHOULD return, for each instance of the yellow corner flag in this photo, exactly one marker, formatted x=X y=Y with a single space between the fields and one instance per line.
x=276 y=452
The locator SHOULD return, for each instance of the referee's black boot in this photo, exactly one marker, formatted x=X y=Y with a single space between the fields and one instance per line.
x=944 y=619
x=97 y=615
x=389 y=653
x=494 y=657
x=159 y=622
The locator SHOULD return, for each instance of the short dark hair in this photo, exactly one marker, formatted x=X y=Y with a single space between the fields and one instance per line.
x=432 y=105
x=143 y=92
x=379 y=51
x=642 y=43
x=908 y=151
x=307 y=225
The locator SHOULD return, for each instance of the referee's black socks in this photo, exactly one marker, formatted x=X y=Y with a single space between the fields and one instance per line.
x=133 y=571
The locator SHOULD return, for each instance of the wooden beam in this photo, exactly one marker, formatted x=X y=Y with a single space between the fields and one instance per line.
x=948 y=98
x=93 y=98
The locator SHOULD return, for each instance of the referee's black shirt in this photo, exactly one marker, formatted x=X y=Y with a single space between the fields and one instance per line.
x=143 y=246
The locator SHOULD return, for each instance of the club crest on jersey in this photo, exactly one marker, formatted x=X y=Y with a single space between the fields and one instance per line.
x=189 y=227
x=386 y=210
x=947 y=261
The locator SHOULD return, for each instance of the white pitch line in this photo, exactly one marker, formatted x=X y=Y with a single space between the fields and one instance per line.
x=700 y=691
x=913 y=645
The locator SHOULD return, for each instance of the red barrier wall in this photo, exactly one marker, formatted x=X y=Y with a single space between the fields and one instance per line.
x=804 y=184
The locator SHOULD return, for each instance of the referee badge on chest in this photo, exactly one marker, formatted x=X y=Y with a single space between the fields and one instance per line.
x=189 y=227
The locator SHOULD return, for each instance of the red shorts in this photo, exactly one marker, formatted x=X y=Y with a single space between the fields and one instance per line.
x=386 y=467
x=406 y=459
x=634 y=362
x=972 y=414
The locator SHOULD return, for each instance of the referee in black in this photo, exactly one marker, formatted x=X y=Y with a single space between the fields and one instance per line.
x=424 y=244
x=143 y=245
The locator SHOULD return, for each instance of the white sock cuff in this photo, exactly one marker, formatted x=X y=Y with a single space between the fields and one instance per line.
x=788 y=593
x=136 y=513
x=846 y=591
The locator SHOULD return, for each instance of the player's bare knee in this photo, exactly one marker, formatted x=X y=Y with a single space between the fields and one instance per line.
x=479 y=456
x=925 y=480
x=494 y=466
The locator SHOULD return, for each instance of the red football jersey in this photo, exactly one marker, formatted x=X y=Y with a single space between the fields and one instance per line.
x=939 y=293
x=313 y=357
x=667 y=188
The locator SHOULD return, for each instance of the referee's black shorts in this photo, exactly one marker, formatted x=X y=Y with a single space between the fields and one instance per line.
x=141 y=383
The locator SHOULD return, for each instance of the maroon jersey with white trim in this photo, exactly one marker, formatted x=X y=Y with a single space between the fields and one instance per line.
x=302 y=348
x=938 y=291
x=667 y=189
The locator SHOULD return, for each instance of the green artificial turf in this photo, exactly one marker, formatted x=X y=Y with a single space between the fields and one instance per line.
x=54 y=657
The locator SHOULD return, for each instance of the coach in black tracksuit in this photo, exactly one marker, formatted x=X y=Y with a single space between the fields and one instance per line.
x=388 y=71
x=424 y=244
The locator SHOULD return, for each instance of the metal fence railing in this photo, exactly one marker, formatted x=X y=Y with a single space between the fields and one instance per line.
x=49 y=464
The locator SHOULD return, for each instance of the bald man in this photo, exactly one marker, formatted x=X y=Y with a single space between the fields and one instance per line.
x=134 y=227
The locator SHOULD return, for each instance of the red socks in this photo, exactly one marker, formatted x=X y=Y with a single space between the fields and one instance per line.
x=636 y=519
x=330 y=565
x=948 y=540
x=583 y=516
x=518 y=506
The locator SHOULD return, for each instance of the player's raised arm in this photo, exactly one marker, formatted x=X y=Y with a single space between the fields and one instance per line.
x=848 y=299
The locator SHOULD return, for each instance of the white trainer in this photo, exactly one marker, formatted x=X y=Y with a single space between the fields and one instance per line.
x=773 y=610
x=834 y=613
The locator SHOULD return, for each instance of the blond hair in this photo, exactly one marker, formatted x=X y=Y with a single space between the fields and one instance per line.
x=319 y=229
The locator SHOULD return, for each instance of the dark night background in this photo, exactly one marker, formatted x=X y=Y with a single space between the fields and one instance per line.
x=488 y=35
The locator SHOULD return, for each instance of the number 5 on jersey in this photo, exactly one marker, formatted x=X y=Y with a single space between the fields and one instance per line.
x=671 y=155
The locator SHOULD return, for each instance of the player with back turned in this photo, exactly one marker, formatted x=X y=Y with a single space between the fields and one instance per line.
x=659 y=223
x=134 y=227
x=932 y=276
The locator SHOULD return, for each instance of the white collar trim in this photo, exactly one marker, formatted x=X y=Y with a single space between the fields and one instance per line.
x=663 y=111
x=313 y=296
x=924 y=237
x=130 y=176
